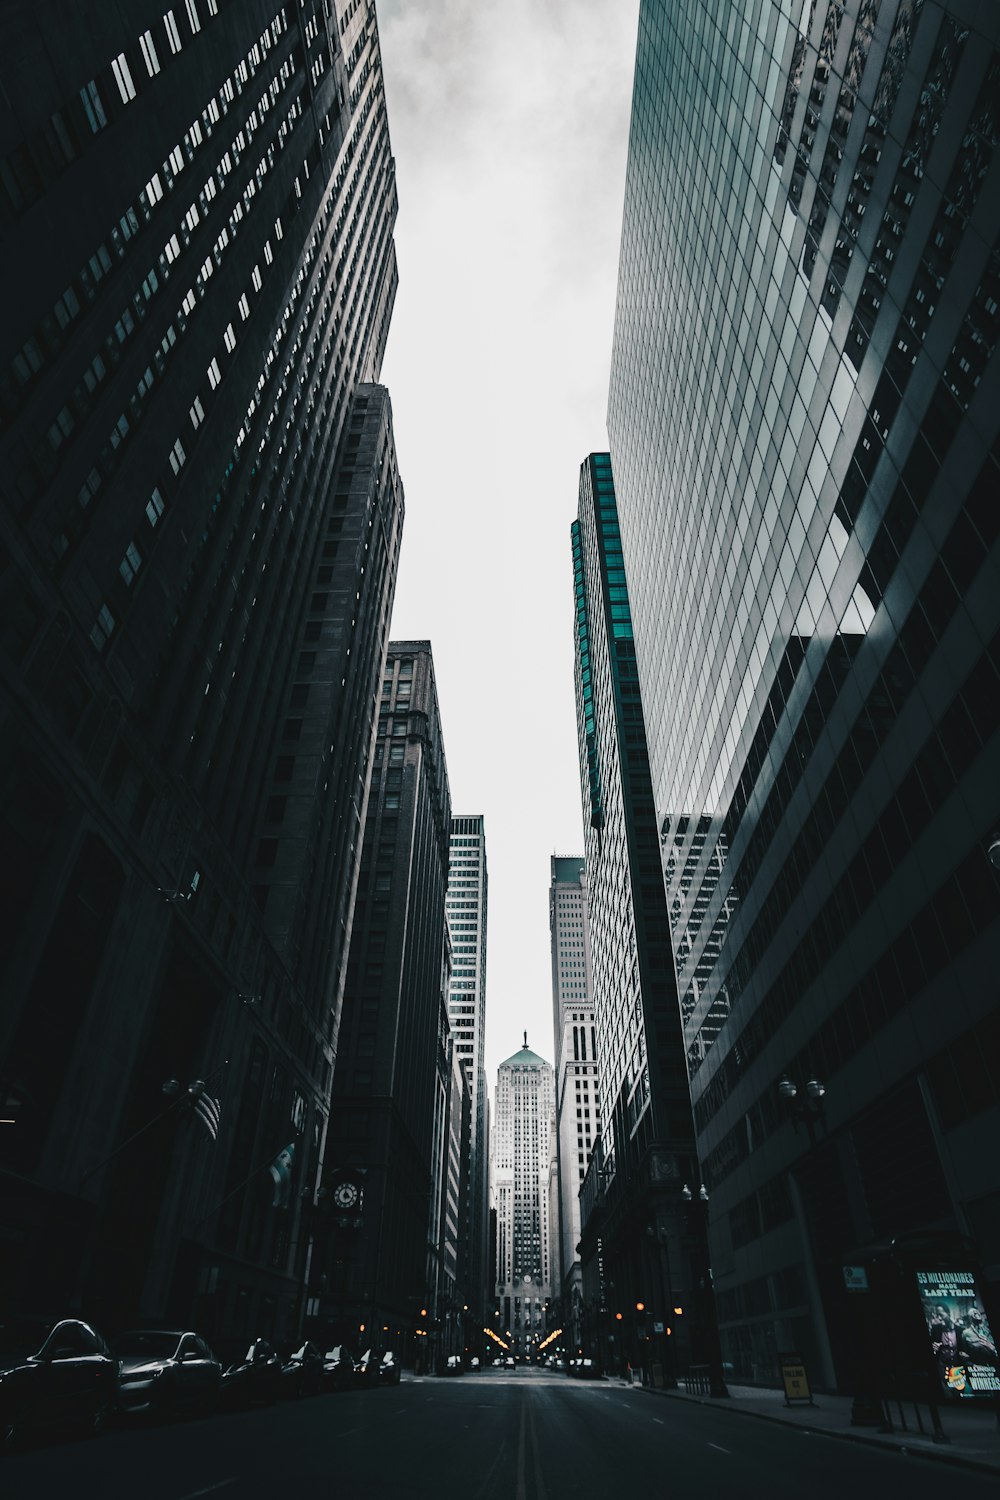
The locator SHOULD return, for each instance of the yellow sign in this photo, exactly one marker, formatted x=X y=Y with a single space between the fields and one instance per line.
x=795 y=1379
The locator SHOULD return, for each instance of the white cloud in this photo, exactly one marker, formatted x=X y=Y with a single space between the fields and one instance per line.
x=509 y=125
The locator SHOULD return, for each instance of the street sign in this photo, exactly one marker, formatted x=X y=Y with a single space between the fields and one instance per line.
x=658 y=1325
x=795 y=1380
x=855 y=1278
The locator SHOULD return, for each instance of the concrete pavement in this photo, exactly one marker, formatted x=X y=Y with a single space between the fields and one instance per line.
x=972 y=1431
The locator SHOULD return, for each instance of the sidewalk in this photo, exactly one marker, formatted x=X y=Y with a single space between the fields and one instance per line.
x=972 y=1432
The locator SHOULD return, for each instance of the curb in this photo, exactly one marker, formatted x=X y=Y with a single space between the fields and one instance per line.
x=932 y=1454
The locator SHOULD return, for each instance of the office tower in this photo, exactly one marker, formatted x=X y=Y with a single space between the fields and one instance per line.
x=389 y=1116
x=457 y=1327
x=804 y=424
x=468 y=889
x=637 y=1235
x=200 y=525
x=577 y=1098
x=524 y=1106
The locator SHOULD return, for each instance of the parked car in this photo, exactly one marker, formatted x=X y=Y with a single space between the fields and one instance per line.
x=302 y=1372
x=54 y=1375
x=588 y=1369
x=166 y=1370
x=558 y=1363
x=339 y=1368
x=453 y=1365
x=509 y=1362
x=374 y=1369
x=254 y=1377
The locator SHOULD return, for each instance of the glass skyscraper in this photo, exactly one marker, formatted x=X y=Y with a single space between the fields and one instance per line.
x=577 y=1096
x=468 y=888
x=804 y=414
x=635 y=1235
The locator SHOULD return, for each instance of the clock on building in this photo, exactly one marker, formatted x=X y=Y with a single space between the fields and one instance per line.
x=346 y=1195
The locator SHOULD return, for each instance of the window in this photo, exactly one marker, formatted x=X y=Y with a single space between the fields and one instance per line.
x=149 y=56
x=173 y=35
x=123 y=78
x=214 y=373
x=93 y=107
x=154 y=507
x=197 y=412
x=192 y=15
x=229 y=339
x=130 y=563
x=177 y=457
x=103 y=626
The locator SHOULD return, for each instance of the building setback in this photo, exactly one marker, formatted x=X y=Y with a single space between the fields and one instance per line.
x=393 y=1088
x=200 y=528
x=468 y=889
x=805 y=425
x=577 y=1094
x=639 y=1234
x=521 y=1178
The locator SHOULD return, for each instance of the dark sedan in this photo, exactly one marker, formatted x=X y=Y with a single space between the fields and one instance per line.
x=339 y=1368
x=374 y=1369
x=256 y=1377
x=53 y=1376
x=166 y=1370
x=302 y=1372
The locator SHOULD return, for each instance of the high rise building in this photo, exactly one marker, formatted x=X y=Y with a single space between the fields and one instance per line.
x=805 y=425
x=391 y=1112
x=201 y=519
x=468 y=889
x=636 y=1233
x=577 y=1097
x=521 y=1173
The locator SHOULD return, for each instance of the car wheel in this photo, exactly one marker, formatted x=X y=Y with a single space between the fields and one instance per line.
x=12 y=1430
x=99 y=1417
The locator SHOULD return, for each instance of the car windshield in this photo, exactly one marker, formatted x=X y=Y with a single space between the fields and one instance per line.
x=22 y=1337
x=147 y=1345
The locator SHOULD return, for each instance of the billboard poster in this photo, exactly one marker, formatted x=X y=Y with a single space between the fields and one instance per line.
x=962 y=1342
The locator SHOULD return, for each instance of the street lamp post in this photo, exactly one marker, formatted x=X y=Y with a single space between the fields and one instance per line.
x=661 y=1235
x=806 y=1108
x=707 y=1325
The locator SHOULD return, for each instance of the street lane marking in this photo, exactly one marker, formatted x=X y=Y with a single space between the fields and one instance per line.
x=660 y=1421
x=539 y=1482
x=520 y=1493
x=717 y=1448
x=193 y=1494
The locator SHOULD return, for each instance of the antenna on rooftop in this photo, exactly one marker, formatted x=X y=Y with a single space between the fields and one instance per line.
x=525 y=1041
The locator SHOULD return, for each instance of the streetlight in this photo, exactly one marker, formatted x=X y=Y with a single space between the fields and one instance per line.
x=696 y=1213
x=807 y=1107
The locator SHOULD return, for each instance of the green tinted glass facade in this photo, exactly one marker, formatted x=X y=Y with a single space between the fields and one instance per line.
x=804 y=426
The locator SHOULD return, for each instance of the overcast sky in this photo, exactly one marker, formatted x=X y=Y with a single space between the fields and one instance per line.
x=509 y=125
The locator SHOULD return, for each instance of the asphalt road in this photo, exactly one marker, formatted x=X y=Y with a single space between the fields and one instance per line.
x=523 y=1435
